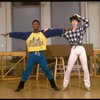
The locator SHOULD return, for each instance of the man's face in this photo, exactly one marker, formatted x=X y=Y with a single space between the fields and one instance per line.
x=74 y=23
x=35 y=25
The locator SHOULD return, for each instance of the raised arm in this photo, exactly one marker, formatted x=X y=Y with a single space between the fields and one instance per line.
x=85 y=22
x=54 y=32
x=18 y=35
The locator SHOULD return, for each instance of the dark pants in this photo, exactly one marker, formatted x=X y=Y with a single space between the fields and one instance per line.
x=39 y=58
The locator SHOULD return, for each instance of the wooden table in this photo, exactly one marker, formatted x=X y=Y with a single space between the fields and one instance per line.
x=19 y=54
x=64 y=50
x=96 y=52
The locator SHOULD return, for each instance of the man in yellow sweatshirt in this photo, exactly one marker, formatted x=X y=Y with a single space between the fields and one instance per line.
x=36 y=44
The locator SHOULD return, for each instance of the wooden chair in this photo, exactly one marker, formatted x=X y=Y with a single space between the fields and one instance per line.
x=59 y=66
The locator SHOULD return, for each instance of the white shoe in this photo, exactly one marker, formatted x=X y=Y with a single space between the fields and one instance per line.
x=88 y=89
x=63 y=89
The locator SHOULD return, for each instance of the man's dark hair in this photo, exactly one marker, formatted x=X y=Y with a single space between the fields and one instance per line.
x=36 y=21
x=74 y=18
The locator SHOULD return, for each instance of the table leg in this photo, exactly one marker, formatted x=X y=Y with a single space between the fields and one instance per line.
x=2 y=68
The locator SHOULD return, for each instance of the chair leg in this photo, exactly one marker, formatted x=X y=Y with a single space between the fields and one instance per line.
x=37 y=72
x=57 y=65
x=55 y=71
x=78 y=69
x=63 y=64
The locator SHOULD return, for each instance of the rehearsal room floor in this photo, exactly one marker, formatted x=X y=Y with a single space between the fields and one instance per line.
x=41 y=89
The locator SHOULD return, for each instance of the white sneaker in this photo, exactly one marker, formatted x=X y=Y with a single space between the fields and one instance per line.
x=88 y=89
x=63 y=89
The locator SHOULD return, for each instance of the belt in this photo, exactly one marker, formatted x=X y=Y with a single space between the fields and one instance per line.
x=76 y=45
x=37 y=53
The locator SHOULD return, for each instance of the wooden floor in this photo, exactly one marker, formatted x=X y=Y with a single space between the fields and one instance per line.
x=41 y=89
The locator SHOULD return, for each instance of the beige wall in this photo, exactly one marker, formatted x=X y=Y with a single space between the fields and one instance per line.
x=5 y=26
x=46 y=17
x=93 y=12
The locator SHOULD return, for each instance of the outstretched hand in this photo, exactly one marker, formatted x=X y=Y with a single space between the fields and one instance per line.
x=65 y=29
x=5 y=34
x=45 y=30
